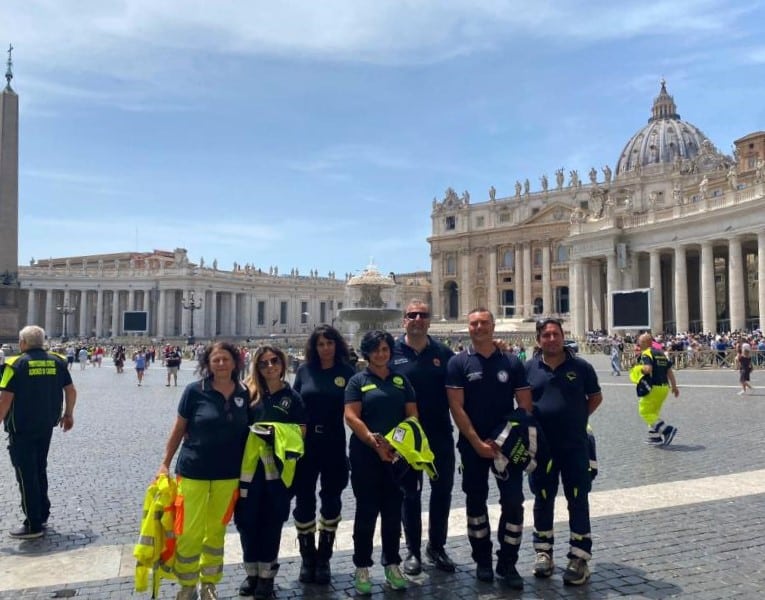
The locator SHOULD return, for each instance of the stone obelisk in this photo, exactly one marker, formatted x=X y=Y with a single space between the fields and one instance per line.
x=9 y=209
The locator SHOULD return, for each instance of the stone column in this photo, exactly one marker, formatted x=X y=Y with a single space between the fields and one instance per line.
x=585 y=296
x=115 y=313
x=708 y=299
x=528 y=300
x=657 y=319
x=681 y=290
x=186 y=315
x=131 y=299
x=612 y=278
x=761 y=277
x=161 y=313
x=84 y=313
x=248 y=317
x=518 y=282
x=736 y=284
x=547 y=299
x=31 y=307
x=100 y=312
x=50 y=312
x=596 y=300
x=232 y=315
x=213 y=331
x=577 y=298
x=437 y=305
x=634 y=270
x=464 y=284
x=493 y=293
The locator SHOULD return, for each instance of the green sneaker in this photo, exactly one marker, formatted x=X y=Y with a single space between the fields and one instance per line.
x=394 y=578
x=362 y=582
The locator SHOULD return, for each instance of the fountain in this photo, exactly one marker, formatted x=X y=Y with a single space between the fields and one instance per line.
x=370 y=312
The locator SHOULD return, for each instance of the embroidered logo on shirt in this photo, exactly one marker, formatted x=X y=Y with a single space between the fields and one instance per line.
x=285 y=404
x=239 y=402
x=437 y=362
x=401 y=361
x=368 y=387
x=398 y=381
x=340 y=381
x=474 y=376
x=571 y=376
x=503 y=376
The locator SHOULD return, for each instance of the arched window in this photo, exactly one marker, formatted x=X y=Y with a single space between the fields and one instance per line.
x=508 y=259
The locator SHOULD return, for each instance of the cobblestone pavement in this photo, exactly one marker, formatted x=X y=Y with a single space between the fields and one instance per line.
x=686 y=521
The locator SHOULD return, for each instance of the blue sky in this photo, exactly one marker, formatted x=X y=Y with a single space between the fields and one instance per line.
x=316 y=134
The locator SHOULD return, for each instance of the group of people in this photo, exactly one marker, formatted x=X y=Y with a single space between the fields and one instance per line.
x=412 y=377
x=247 y=448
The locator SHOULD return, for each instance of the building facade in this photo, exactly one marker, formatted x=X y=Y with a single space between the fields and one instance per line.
x=675 y=215
x=86 y=296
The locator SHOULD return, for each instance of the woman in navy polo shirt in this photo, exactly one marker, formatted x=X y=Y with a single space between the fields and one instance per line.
x=259 y=517
x=376 y=400
x=212 y=426
x=321 y=382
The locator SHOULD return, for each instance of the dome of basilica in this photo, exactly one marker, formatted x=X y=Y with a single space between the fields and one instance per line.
x=665 y=140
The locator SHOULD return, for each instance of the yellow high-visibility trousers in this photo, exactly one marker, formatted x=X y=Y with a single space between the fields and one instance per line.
x=203 y=509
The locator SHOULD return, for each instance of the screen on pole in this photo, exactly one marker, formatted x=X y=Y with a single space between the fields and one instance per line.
x=135 y=320
x=631 y=309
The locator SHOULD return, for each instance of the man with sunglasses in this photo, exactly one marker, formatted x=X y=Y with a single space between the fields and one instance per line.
x=423 y=361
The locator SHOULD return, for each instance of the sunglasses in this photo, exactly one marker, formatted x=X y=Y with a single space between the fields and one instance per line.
x=269 y=362
x=417 y=313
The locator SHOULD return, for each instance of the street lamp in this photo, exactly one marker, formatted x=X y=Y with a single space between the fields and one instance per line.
x=191 y=304
x=65 y=310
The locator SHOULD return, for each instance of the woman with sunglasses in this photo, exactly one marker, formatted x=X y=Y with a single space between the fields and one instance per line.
x=376 y=400
x=321 y=382
x=259 y=517
x=211 y=430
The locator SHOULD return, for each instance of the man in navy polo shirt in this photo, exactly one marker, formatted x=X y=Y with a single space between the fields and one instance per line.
x=423 y=361
x=565 y=392
x=481 y=384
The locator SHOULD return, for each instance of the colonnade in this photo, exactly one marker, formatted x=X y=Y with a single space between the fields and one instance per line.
x=707 y=285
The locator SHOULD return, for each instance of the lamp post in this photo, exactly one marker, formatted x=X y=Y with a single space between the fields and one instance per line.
x=65 y=310
x=191 y=304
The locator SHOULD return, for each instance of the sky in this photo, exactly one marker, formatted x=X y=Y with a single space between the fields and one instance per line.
x=315 y=135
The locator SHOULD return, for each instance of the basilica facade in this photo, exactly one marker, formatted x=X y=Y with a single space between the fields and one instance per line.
x=675 y=216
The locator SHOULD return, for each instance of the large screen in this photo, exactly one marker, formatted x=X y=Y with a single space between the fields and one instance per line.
x=631 y=309
x=135 y=320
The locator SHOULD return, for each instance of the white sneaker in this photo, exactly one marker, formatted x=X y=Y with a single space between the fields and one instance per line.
x=187 y=592
x=208 y=592
x=740 y=393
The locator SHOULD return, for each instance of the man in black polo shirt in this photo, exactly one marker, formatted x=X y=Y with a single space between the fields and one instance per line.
x=173 y=363
x=565 y=392
x=30 y=404
x=423 y=361
x=481 y=383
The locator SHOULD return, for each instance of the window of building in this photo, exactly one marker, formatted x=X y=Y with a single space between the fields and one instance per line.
x=451 y=265
x=584 y=204
x=283 y=312
x=480 y=264
x=507 y=280
x=479 y=221
x=339 y=306
x=261 y=312
x=450 y=223
x=304 y=312
x=504 y=217
x=534 y=211
x=538 y=277
x=508 y=261
x=537 y=257
x=322 y=312
x=562 y=254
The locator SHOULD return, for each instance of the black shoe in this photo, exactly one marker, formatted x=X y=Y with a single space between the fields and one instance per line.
x=510 y=574
x=307 y=571
x=484 y=572
x=412 y=565
x=441 y=559
x=323 y=573
x=26 y=532
x=247 y=588
x=264 y=589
